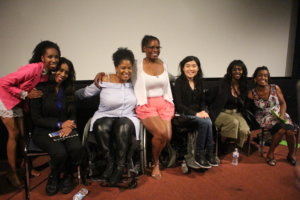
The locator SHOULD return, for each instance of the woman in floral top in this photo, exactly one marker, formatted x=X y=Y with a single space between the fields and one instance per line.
x=271 y=113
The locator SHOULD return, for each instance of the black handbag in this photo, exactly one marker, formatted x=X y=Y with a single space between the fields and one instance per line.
x=247 y=114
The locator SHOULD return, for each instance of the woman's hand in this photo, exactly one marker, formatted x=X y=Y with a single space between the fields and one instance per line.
x=98 y=78
x=65 y=132
x=34 y=93
x=68 y=124
x=202 y=114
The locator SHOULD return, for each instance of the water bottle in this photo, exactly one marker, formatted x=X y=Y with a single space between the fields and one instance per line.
x=81 y=194
x=235 y=157
x=184 y=167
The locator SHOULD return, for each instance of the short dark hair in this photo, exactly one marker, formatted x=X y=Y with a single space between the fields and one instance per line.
x=146 y=39
x=122 y=54
x=259 y=69
x=40 y=50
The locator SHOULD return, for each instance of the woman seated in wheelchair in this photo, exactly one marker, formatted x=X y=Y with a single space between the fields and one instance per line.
x=190 y=102
x=271 y=113
x=226 y=101
x=115 y=124
x=53 y=116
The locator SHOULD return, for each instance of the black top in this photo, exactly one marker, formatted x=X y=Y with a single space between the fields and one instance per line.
x=231 y=102
x=47 y=111
x=217 y=97
x=188 y=101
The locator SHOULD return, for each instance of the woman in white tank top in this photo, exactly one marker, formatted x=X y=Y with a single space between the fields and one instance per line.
x=155 y=105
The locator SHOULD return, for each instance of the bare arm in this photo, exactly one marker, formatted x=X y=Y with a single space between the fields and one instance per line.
x=281 y=102
x=250 y=94
x=98 y=79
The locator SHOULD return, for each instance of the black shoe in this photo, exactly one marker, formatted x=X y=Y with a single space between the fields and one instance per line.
x=291 y=160
x=67 y=184
x=212 y=159
x=108 y=171
x=201 y=160
x=52 y=185
x=116 y=177
x=191 y=163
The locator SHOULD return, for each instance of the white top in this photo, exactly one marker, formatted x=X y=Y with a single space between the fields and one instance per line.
x=155 y=84
x=140 y=89
x=116 y=100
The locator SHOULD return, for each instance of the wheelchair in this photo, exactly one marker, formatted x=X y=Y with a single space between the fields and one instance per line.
x=94 y=164
x=182 y=146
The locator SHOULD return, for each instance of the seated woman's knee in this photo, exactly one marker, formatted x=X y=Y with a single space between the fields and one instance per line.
x=234 y=123
x=207 y=123
x=60 y=155
x=290 y=132
x=101 y=126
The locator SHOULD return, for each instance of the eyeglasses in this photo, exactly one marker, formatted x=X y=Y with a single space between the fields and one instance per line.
x=154 y=47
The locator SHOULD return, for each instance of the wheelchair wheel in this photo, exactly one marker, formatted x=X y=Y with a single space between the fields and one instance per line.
x=168 y=156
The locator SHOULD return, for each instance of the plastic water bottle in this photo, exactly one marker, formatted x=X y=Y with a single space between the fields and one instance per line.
x=184 y=167
x=81 y=194
x=235 y=157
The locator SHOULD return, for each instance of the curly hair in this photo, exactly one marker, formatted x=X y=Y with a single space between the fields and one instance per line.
x=40 y=50
x=122 y=54
x=198 y=79
x=243 y=80
x=146 y=39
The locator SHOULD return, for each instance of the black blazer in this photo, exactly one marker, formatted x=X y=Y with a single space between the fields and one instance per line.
x=188 y=101
x=44 y=112
x=217 y=97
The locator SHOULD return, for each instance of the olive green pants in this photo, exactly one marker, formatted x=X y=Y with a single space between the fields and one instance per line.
x=233 y=125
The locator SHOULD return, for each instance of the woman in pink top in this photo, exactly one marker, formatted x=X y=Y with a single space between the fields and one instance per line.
x=18 y=86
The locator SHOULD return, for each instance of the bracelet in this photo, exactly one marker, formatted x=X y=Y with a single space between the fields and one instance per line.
x=59 y=124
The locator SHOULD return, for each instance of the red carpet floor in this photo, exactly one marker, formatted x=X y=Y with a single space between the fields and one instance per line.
x=251 y=179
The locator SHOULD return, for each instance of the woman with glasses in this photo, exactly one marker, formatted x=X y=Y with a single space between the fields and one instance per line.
x=155 y=105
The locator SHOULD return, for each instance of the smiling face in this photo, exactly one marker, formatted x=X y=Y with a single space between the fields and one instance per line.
x=190 y=69
x=62 y=73
x=262 y=78
x=152 y=49
x=237 y=72
x=124 y=70
x=50 y=58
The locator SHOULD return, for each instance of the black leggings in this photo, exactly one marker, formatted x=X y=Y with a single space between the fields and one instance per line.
x=115 y=135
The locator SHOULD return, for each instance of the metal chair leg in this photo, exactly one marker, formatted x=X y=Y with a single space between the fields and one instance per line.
x=249 y=145
x=297 y=140
x=27 y=181
x=261 y=143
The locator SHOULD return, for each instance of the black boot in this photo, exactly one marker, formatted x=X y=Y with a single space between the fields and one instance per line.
x=116 y=176
x=200 y=158
x=52 y=184
x=109 y=167
x=67 y=184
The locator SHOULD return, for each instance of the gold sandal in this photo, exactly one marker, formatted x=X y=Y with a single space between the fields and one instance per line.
x=156 y=176
x=271 y=161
